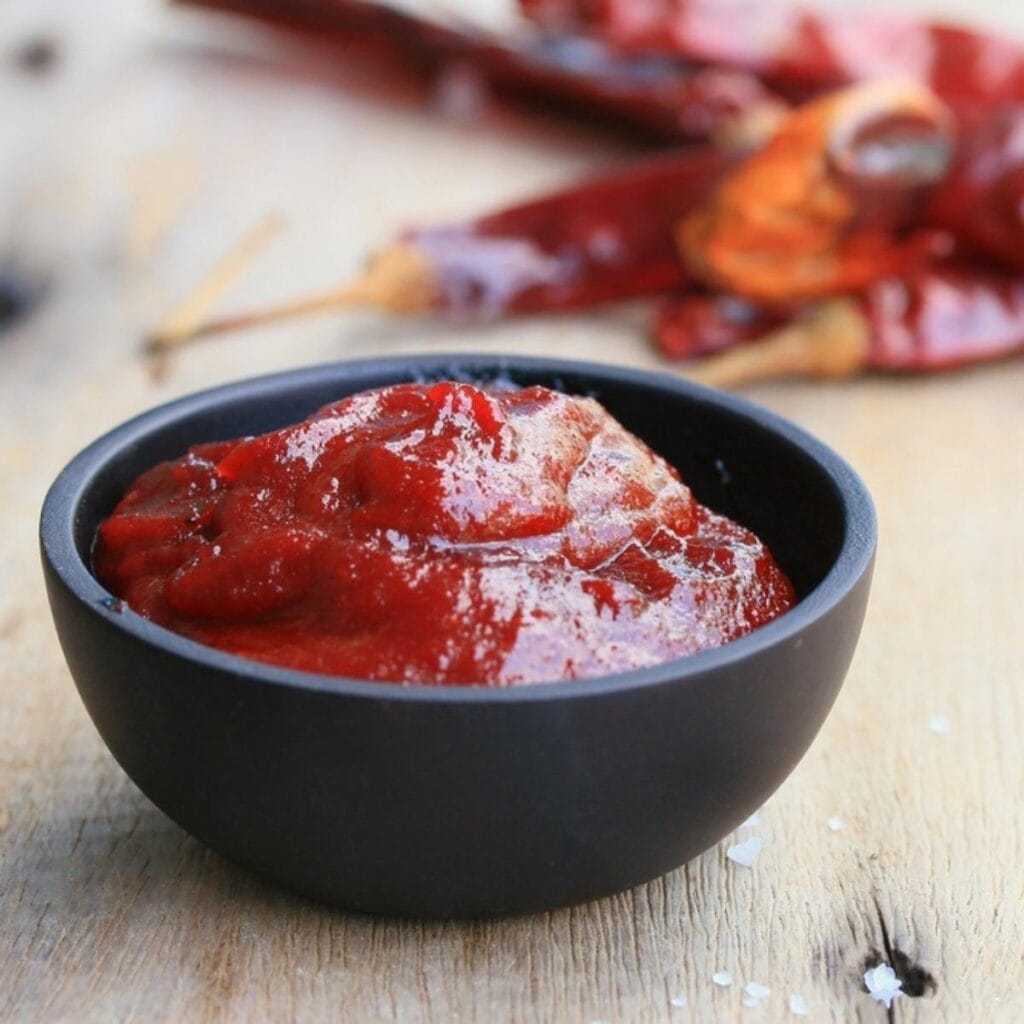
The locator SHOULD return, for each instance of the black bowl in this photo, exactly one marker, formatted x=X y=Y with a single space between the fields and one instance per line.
x=450 y=801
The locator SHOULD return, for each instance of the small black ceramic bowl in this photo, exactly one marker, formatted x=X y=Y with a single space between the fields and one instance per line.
x=472 y=801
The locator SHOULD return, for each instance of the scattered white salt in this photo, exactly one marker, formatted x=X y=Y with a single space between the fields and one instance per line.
x=798 y=1005
x=722 y=978
x=939 y=724
x=882 y=984
x=747 y=852
x=756 y=990
x=754 y=819
x=750 y=1002
x=835 y=823
x=678 y=1002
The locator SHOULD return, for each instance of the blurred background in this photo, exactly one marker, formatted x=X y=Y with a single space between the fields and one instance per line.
x=143 y=141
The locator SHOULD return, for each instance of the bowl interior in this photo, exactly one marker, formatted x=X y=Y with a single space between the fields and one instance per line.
x=738 y=460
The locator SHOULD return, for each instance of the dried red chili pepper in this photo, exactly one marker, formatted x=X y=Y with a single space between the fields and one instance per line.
x=820 y=209
x=981 y=201
x=606 y=240
x=799 y=50
x=938 y=318
x=611 y=238
x=665 y=98
x=694 y=324
x=944 y=317
x=817 y=210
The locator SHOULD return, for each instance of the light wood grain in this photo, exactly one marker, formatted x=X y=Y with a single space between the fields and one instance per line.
x=150 y=151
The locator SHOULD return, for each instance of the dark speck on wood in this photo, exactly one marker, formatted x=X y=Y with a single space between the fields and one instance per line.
x=17 y=299
x=916 y=980
x=38 y=55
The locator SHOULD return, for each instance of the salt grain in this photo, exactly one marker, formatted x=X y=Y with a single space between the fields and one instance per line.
x=756 y=990
x=722 y=978
x=798 y=1005
x=882 y=984
x=939 y=724
x=754 y=819
x=750 y=1002
x=678 y=1002
x=835 y=823
x=747 y=852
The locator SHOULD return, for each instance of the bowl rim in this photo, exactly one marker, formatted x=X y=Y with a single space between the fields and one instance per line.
x=64 y=498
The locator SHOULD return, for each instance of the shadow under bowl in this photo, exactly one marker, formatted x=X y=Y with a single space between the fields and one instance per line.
x=472 y=801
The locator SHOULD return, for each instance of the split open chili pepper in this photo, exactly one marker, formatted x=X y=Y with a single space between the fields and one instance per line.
x=662 y=97
x=798 y=50
x=819 y=209
x=824 y=208
x=606 y=240
x=952 y=314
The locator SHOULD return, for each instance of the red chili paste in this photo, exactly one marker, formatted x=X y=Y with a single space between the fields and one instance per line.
x=439 y=533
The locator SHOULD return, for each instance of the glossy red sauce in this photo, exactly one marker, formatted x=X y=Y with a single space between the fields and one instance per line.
x=439 y=533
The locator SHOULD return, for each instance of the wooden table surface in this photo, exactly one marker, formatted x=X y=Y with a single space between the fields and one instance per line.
x=148 y=148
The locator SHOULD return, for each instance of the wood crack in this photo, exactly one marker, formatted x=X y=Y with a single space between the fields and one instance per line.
x=915 y=980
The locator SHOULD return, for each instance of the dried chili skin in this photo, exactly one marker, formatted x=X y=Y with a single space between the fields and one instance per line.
x=691 y=324
x=819 y=209
x=801 y=51
x=663 y=98
x=981 y=200
x=853 y=188
x=938 y=316
x=944 y=316
x=607 y=240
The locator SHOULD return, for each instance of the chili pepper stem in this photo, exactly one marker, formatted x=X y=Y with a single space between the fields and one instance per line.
x=831 y=340
x=398 y=279
x=195 y=306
